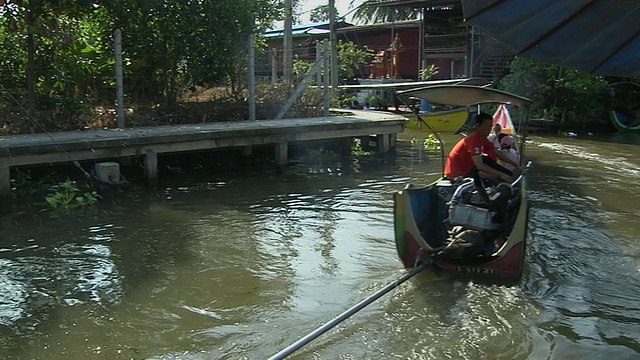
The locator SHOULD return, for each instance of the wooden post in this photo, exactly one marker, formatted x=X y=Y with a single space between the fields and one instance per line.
x=5 y=181
x=393 y=140
x=151 y=167
x=247 y=150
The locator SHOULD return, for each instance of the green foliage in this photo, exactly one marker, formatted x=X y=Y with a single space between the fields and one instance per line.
x=358 y=150
x=321 y=13
x=566 y=94
x=68 y=63
x=320 y=157
x=428 y=72
x=431 y=143
x=68 y=195
x=350 y=57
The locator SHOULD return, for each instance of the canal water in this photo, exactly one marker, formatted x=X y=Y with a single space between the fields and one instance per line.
x=240 y=264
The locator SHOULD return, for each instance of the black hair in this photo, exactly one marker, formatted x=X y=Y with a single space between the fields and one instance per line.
x=480 y=118
x=501 y=135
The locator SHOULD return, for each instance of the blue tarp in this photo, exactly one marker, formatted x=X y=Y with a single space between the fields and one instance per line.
x=597 y=36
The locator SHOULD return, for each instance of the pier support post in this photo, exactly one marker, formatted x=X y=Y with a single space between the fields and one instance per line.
x=393 y=140
x=151 y=167
x=282 y=155
x=345 y=146
x=5 y=181
x=364 y=142
x=384 y=143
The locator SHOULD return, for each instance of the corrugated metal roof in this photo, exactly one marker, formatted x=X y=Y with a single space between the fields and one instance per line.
x=306 y=29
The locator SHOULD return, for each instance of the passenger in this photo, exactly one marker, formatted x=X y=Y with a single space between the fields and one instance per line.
x=495 y=133
x=507 y=145
x=471 y=153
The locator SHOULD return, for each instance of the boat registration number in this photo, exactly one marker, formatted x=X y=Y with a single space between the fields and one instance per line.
x=475 y=270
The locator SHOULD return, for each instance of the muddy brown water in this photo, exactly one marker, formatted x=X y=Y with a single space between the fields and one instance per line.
x=240 y=265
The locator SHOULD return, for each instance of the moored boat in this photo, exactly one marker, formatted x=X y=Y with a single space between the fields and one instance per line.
x=470 y=226
x=625 y=106
x=439 y=121
x=624 y=123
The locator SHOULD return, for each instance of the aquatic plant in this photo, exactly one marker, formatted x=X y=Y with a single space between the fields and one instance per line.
x=67 y=196
x=431 y=143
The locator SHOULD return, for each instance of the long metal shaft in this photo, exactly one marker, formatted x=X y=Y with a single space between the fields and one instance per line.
x=340 y=318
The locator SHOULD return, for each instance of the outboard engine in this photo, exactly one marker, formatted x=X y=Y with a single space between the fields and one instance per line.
x=471 y=208
x=477 y=216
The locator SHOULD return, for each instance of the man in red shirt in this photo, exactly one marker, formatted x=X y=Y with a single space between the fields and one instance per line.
x=471 y=152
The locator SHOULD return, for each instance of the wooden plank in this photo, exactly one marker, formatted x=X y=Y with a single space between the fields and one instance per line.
x=61 y=147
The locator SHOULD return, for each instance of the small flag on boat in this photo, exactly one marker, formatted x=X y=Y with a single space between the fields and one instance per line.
x=503 y=118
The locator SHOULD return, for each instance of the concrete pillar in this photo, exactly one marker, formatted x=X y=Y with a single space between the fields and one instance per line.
x=5 y=181
x=345 y=146
x=282 y=155
x=393 y=140
x=108 y=172
x=384 y=143
x=151 y=167
x=364 y=143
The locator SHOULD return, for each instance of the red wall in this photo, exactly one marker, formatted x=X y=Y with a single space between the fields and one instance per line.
x=408 y=58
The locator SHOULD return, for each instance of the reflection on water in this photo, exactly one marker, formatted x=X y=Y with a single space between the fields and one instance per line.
x=241 y=265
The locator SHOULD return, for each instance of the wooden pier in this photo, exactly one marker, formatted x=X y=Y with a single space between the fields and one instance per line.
x=149 y=142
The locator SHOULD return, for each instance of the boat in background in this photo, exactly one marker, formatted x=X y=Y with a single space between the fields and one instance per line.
x=624 y=123
x=447 y=121
x=503 y=118
x=450 y=121
x=471 y=226
x=625 y=106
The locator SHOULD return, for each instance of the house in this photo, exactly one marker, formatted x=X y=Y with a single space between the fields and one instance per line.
x=441 y=38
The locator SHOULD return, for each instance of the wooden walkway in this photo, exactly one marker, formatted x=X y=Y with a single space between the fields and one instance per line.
x=148 y=142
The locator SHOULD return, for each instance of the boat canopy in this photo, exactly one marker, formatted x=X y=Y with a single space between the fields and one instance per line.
x=417 y=84
x=464 y=95
x=598 y=36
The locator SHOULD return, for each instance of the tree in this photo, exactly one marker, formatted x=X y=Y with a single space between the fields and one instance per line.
x=168 y=45
x=350 y=58
x=559 y=92
x=321 y=13
x=31 y=17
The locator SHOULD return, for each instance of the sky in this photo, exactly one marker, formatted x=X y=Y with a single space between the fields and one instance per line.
x=343 y=7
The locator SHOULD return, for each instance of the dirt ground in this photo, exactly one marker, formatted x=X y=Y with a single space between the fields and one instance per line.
x=199 y=106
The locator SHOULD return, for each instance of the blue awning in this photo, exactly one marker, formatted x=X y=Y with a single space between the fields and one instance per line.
x=597 y=36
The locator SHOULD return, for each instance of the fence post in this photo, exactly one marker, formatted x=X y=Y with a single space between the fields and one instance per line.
x=252 y=79
x=119 y=83
x=327 y=95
